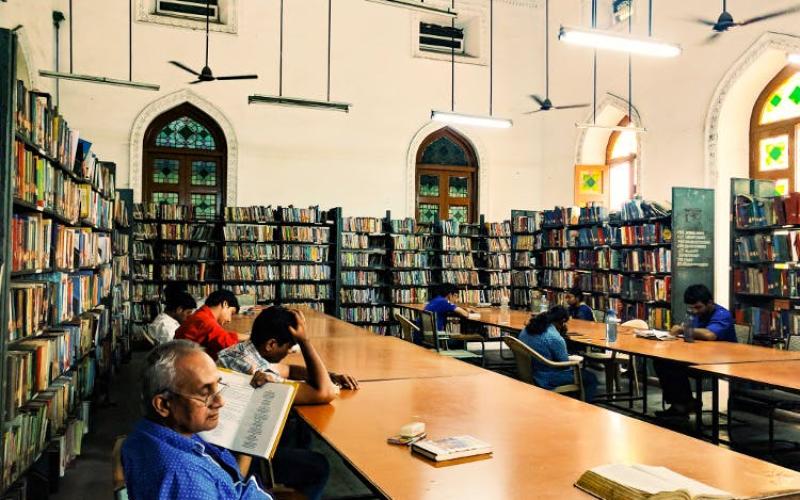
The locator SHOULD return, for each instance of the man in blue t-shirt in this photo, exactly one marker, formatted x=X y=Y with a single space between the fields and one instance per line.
x=443 y=304
x=577 y=309
x=711 y=322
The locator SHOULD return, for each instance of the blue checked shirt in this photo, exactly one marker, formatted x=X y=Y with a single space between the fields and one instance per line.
x=162 y=464
x=244 y=358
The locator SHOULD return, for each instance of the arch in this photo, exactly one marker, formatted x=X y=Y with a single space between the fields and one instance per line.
x=159 y=107
x=25 y=62
x=482 y=159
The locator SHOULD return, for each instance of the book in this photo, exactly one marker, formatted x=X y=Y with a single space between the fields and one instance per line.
x=252 y=420
x=634 y=482
x=655 y=334
x=451 y=448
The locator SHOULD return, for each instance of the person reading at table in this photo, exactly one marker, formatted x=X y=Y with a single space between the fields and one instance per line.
x=544 y=334
x=164 y=458
x=711 y=322
x=205 y=325
x=442 y=304
x=274 y=332
x=576 y=307
x=179 y=306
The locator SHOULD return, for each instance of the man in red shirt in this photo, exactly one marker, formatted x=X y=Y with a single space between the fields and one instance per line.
x=205 y=325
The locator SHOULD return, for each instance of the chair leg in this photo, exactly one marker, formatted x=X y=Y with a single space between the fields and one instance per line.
x=609 y=369
x=771 y=429
x=635 y=372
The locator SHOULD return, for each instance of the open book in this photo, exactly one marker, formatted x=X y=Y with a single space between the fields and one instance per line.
x=655 y=334
x=252 y=420
x=451 y=448
x=640 y=482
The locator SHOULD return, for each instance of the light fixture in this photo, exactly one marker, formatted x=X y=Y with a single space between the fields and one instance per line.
x=793 y=58
x=613 y=128
x=418 y=6
x=473 y=120
x=281 y=100
x=607 y=40
x=297 y=101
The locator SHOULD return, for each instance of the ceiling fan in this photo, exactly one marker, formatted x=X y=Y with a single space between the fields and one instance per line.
x=725 y=20
x=546 y=104
x=205 y=75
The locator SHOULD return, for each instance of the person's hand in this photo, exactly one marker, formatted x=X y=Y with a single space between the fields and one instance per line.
x=299 y=331
x=260 y=378
x=676 y=330
x=344 y=381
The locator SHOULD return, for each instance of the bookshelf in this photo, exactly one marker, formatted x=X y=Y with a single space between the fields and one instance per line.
x=764 y=258
x=525 y=225
x=495 y=261
x=121 y=292
x=251 y=252
x=456 y=257
x=409 y=261
x=58 y=202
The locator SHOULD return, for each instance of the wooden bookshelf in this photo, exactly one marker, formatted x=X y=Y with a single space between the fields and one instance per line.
x=495 y=261
x=525 y=225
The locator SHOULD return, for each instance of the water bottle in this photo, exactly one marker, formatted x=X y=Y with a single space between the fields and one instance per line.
x=505 y=314
x=688 y=327
x=543 y=305
x=611 y=326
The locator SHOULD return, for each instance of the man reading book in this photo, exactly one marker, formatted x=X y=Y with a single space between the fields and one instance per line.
x=275 y=330
x=205 y=325
x=711 y=322
x=163 y=457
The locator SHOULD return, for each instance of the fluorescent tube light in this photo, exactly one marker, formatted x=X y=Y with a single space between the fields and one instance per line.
x=617 y=41
x=793 y=58
x=613 y=128
x=418 y=6
x=298 y=102
x=475 y=121
x=98 y=79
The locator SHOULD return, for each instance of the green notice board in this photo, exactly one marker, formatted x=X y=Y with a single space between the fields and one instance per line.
x=692 y=244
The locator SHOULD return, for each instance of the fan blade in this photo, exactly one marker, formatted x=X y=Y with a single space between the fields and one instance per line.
x=185 y=68
x=572 y=106
x=770 y=15
x=538 y=99
x=711 y=38
x=533 y=112
x=238 y=77
x=700 y=20
x=196 y=81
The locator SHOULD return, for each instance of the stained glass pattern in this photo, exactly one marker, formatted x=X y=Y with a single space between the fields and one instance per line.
x=428 y=213
x=185 y=133
x=782 y=187
x=429 y=185
x=458 y=213
x=458 y=187
x=159 y=197
x=166 y=171
x=205 y=205
x=774 y=153
x=444 y=151
x=784 y=103
x=204 y=173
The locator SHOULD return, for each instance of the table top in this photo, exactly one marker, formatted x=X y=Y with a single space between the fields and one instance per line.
x=374 y=357
x=782 y=375
x=542 y=441
x=318 y=325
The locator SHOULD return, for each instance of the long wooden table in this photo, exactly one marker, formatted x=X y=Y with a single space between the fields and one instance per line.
x=542 y=441
x=318 y=325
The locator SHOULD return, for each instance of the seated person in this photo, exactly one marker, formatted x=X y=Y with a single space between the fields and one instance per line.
x=163 y=457
x=543 y=334
x=205 y=325
x=711 y=322
x=274 y=332
x=179 y=306
x=577 y=309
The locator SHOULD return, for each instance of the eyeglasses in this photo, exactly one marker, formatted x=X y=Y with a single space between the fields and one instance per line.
x=206 y=400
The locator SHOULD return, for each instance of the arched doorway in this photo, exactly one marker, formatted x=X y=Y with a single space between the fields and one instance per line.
x=184 y=161
x=446 y=178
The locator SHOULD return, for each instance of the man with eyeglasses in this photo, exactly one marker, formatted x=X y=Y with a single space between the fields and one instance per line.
x=163 y=457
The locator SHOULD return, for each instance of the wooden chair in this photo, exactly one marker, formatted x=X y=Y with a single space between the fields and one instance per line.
x=437 y=340
x=117 y=472
x=525 y=356
x=599 y=316
x=744 y=333
x=612 y=362
x=407 y=327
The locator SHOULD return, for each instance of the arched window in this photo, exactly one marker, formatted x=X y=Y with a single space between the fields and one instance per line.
x=774 y=129
x=621 y=160
x=184 y=161
x=447 y=178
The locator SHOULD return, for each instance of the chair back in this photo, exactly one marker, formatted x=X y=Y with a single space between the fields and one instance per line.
x=430 y=334
x=247 y=299
x=793 y=343
x=638 y=324
x=523 y=358
x=117 y=472
x=407 y=327
x=744 y=333
x=599 y=316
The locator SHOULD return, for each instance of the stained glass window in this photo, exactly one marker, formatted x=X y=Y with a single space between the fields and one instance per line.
x=784 y=102
x=429 y=185
x=204 y=173
x=444 y=151
x=185 y=133
x=428 y=213
x=167 y=198
x=165 y=171
x=774 y=153
x=458 y=187
x=205 y=205
x=459 y=213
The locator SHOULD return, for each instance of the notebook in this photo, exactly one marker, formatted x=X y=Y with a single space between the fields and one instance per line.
x=451 y=448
